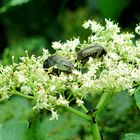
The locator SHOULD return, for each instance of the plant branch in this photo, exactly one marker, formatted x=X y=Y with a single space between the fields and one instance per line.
x=94 y=126
x=84 y=108
x=103 y=100
x=78 y=113
x=95 y=131
x=23 y=95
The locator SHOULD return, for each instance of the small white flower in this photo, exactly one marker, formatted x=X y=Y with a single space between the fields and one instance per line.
x=54 y=115
x=52 y=88
x=26 y=89
x=131 y=91
x=62 y=101
x=96 y=27
x=75 y=87
x=7 y=69
x=93 y=25
x=73 y=44
x=114 y=56
x=41 y=92
x=79 y=102
x=137 y=29
x=63 y=77
x=22 y=78
x=112 y=27
x=70 y=78
x=4 y=93
x=56 y=45
x=87 y=24
x=76 y=72
x=45 y=54
x=87 y=84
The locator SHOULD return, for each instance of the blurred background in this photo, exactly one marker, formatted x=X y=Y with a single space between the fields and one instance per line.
x=33 y=25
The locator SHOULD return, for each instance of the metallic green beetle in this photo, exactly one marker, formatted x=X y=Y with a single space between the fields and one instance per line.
x=61 y=64
x=92 y=51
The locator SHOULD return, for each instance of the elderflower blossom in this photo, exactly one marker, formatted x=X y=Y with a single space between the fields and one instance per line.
x=87 y=24
x=54 y=115
x=21 y=78
x=26 y=89
x=79 y=102
x=62 y=101
x=52 y=88
x=56 y=45
x=3 y=93
x=112 y=27
x=93 y=25
x=72 y=44
x=137 y=29
x=118 y=70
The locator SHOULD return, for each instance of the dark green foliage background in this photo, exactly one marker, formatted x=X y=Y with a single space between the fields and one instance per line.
x=32 y=25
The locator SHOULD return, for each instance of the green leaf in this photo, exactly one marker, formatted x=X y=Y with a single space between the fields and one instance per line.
x=35 y=132
x=67 y=127
x=132 y=136
x=12 y=130
x=15 y=108
x=137 y=97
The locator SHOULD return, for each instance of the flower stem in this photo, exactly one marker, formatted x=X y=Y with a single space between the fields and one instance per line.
x=94 y=126
x=23 y=95
x=84 y=108
x=92 y=117
x=78 y=113
x=103 y=100
x=95 y=131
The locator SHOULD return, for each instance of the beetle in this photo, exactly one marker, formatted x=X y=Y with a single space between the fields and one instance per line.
x=91 y=51
x=61 y=64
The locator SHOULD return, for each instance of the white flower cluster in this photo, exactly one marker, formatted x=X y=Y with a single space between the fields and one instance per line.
x=118 y=70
